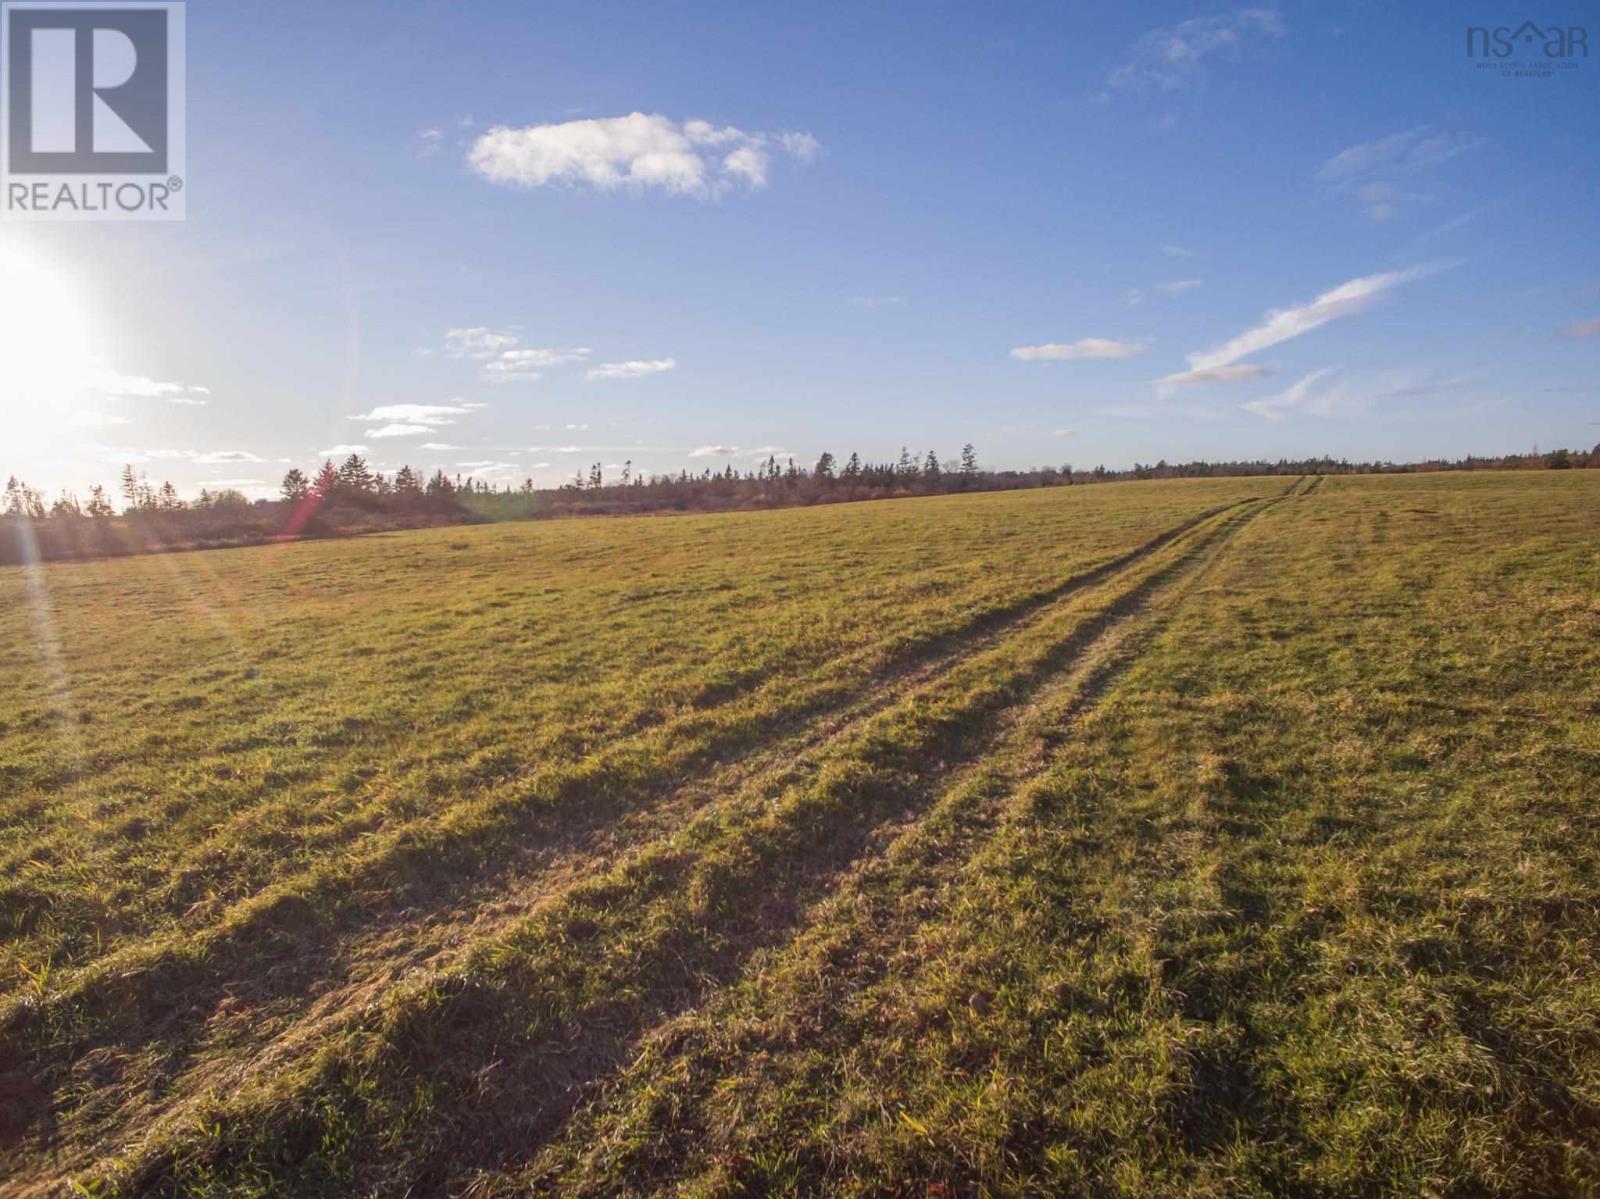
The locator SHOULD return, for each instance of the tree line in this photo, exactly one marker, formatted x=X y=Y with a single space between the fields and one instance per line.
x=352 y=497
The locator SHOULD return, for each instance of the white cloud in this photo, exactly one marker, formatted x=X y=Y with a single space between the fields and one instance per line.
x=770 y=451
x=341 y=451
x=1293 y=396
x=218 y=457
x=398 y=430
x=631 y=370
x=871 y=303
x=1063 y=432
x=1367 y=170
x=749 y=164
x=1415 y=149
x=437 y=445
x=429 y=415
x=1177 y=252
x=477 y=342
x=513 y=366
x=1084 y=347
x=1178 y=286
x=1350 y=395
x=1172 y=58
x=714 y=451
x=503 y=361
x=1348 y=299
x=428 y=142
x=115 y=385
x=1214 y=374
x=634 y=153
x=801 y=146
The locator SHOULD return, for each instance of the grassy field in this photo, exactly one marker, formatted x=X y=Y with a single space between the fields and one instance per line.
x=1220 y=837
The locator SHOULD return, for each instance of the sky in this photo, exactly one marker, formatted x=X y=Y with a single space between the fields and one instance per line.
x=512 y=240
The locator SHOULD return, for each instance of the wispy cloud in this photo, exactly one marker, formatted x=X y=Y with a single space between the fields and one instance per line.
x=426 y=415
x=219 y=457
x=1327 y=393
x=1176 y=287
x=631 y=370
x=714 y=451
x=514 y=366
x=1222 y=363
x=1293 y=396
x=477 y=341
x=341 y=451
x=635 y=153
x=428 y=142
x=800 y=145
x=1084 y=347
x=1214 y=374
x=1381 y=175
x=1177 y=252
x=871 y=303
x=115 y=385
x=489 y=467
x=398 y=430
x=502 y=357
x=1415 y=149
x=1176 y=57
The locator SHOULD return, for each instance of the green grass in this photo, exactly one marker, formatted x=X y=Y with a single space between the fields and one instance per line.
x=1137 y=839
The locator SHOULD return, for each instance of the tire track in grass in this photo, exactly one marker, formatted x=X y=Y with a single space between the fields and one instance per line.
x=561 y=995
x=849 y=940
x=396 y=950
x=299 y=925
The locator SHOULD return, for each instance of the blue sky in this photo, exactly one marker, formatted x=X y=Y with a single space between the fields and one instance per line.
x=1063 y=233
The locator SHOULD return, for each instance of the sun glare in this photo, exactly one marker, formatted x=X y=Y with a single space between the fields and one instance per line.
x=45 y=348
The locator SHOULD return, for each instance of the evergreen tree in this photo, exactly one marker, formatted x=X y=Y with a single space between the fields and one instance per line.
x=407 y=483
x=823 y=471
x=355 y=477
x=295 y=485
x=326 y=485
